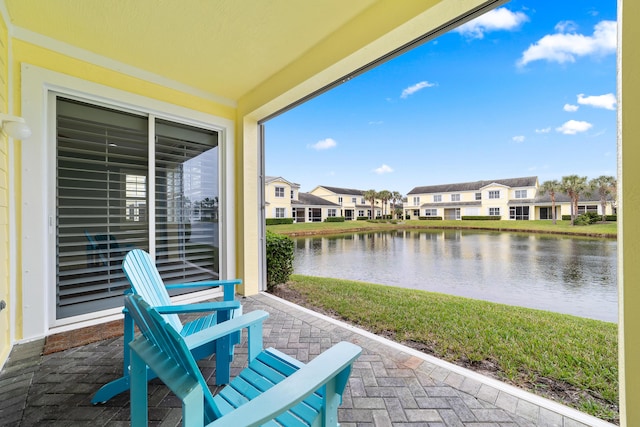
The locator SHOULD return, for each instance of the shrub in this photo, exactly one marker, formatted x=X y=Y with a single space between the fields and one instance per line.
x=430 y=218
x=481 y=217
x=611 y=217
x=566 y=217
x=277 y=221
x=362 y=218
x=587 y=218
x=334 y=219
x=279 y=259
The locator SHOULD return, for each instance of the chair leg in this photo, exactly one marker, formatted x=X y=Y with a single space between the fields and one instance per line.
x=193 y=408
x=139 y=410
x=332 y=401
x=223 y=360
x=115 y=387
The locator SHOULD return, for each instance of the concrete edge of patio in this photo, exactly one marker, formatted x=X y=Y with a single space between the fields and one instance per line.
x=512 y=399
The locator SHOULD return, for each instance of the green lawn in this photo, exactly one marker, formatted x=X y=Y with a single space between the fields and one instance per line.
x=566 y=358
x=608 y=229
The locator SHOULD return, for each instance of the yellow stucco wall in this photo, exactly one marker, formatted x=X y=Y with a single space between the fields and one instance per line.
x=628 y=228
x=5 y=336
x=36 y=55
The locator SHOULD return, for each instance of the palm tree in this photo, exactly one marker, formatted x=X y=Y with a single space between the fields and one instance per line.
x=572 y=186
x=605 y=186
x=552 y=187
x=396 y=197
x=371 y=196
x=384 y=196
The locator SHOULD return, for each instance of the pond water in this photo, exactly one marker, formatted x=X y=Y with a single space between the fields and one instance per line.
x=556 y=273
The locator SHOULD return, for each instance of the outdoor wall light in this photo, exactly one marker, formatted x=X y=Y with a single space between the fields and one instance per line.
x=14 y=127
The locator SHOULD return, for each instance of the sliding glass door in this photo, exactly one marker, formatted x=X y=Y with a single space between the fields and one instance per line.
x=121 y=186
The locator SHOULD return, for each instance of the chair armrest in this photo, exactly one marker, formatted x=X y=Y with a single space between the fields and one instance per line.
x=228 y=286
x=198 y=307
x=293 y=389
x=223 y=329
x=205 y=284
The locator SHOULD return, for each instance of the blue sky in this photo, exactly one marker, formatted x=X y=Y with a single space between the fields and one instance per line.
x=527 y=89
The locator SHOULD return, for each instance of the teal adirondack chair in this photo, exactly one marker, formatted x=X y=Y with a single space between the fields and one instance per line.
x=145 y=280
x=274 y=389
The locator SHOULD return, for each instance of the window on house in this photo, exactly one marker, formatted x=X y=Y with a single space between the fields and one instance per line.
x=104 y=206
x=587 y=208
x=292 y=194
x=431 y=212
x=416 y=201
x=519 y=212
x=494 y=194
x=279 y=191
x=416 y=212
x=494 y=211
x=340 y=200
x=455 y=197
x=478 y=196
x=360 y=213
x=315 y=215
x=136 y=197
x=437 y=197
x=353 y=200
x=331 y=212
x=281 y=212
x=521 y=194
x=546 y=213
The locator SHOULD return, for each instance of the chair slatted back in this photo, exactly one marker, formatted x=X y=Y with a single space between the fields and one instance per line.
x=155 y=329
x=145 y=280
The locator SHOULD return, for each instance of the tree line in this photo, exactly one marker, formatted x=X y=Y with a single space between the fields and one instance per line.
x=385 y=196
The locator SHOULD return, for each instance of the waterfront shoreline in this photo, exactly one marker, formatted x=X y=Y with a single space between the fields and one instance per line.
x=308 y=229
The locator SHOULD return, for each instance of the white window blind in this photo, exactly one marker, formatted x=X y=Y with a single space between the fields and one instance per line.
x=103 y=198
x=96 y=149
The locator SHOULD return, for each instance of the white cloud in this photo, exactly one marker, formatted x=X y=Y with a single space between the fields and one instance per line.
x=565 y=47
x=607 y=101
x=416 y=87
x=572 y=127
x=323 y=144
x=494 y=20
x=570 y=108
x=544 y=130
x=566 y=27
x=518 y=138
x=383 y=169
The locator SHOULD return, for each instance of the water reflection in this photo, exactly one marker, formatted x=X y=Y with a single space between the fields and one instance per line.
x=563 y=274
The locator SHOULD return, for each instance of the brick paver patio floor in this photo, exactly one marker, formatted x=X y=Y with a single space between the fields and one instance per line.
x=390 y=385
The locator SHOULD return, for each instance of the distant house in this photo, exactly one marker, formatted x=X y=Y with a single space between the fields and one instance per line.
x=351 y=202
x=278 y=193
x=310 y=208
x=284 y=200
x=510 y=199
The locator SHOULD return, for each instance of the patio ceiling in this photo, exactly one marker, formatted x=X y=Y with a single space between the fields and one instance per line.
x=223 y=47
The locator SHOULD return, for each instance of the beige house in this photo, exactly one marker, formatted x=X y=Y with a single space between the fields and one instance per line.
x=351 y=202
x=310 y=208
x=171 y=81
x=509 y=199
x=284 y=200
x=278 y=196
